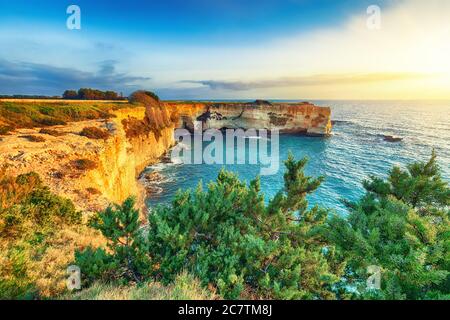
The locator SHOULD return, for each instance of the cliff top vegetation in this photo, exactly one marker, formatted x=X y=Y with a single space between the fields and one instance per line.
x=31 y=114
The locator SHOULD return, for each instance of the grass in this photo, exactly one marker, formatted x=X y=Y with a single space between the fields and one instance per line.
x=185 y=287
x=32 y=113
x=39 y=232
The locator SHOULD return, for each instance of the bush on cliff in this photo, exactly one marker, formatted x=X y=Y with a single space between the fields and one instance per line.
x=33 y=138
x=144 y=97
x=84 y=164
x=51 y=132
x=95 y=133
x=127 y=257
x=401 y=225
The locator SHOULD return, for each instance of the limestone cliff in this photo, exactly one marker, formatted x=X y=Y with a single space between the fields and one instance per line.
x=114 y=163
x=95 y=172
x=304 y=118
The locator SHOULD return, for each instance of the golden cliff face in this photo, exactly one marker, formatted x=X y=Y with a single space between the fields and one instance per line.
x=113 y=164
x=304 y=118
x=125 y=157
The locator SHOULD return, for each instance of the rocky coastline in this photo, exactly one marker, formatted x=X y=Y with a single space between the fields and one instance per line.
x=109 y=170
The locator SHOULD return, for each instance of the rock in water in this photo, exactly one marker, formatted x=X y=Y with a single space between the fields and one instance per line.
x=392 y=138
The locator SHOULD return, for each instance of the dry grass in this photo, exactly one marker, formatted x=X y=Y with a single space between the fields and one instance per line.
x=45 y=264
x=14 y=189
x=185 y=287
x=36 y=242
x=48 y=271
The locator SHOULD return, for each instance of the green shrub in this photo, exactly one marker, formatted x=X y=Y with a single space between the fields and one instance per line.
x=96 y=265
x=14 y=189
x=128 y=259
x=16 y=285
x=47 y=206
x=233 y=241
x=26 y=200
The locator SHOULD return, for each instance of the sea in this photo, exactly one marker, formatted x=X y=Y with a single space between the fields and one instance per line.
x=355 y=151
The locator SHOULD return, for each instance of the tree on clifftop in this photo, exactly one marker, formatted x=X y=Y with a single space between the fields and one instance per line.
x=70 y=95
x=91 y=94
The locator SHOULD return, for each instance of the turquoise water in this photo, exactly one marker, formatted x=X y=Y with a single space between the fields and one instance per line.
x=355 y=150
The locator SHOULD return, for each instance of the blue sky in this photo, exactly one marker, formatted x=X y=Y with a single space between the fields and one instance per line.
x=197 y=49
x=190 y=20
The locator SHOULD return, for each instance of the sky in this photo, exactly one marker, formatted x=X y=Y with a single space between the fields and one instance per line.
x=229 y=49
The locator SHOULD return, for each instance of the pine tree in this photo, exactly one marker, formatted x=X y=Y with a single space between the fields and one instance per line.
x=128 y=257
x=229 y=238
